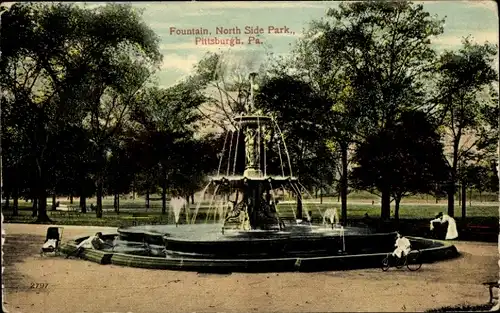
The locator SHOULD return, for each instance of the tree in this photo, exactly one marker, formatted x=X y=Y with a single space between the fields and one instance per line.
x=406 y=158
x=303 y=116
x=465 y=102
x=121 y=168
x=196 y=158
x=168 y=119
x=61 y=66
x=371 y=60
x=117 y=65
x=36 y=78
x=224 y=79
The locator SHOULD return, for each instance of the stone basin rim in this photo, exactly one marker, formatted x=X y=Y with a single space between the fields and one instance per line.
x=282 y=236
x=444 y=251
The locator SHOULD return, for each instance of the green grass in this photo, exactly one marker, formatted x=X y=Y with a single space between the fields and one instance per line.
x=134 y=212
x=108 y=219
x=463 y=308
x=405 y=211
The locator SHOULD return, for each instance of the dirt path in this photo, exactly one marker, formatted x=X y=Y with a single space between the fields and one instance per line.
x=80 y=286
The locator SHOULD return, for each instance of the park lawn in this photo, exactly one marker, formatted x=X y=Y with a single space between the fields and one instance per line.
x=424 y=211
x=133 y=212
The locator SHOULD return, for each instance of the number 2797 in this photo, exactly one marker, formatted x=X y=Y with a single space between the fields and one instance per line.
x=39 y=285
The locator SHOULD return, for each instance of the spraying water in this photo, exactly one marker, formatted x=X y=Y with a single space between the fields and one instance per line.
x=177 y=204
x=210 y=208
x=310 y=197
x=284 y=145
x=193 y=219
x=331 y=215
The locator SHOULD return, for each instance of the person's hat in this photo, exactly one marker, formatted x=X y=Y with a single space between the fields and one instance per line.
x=439 y=214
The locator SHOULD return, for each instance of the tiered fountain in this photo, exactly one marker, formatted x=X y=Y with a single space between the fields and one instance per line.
x=249 y=234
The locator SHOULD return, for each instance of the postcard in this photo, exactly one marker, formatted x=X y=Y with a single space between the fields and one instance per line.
x=270 y=156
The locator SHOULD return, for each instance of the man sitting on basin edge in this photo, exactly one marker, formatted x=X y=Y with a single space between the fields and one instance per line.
x=93 y=242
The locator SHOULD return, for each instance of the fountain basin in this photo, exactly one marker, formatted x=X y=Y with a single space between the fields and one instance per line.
x=193 y=249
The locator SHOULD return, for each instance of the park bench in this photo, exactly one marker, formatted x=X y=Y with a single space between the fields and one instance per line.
x=145 y=214
x=73 y=211
x=56 y=213
x=481 y=230
x=479 y=227
x=137 y=218
x=491 y=287
x=69 y=212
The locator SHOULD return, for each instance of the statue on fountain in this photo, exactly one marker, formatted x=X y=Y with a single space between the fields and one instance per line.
x=238 y=215
x=254 y=209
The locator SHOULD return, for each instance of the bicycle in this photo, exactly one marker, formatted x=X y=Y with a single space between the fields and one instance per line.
x=412 y=261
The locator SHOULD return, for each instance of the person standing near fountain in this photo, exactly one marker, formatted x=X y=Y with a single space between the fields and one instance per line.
x=451 y=232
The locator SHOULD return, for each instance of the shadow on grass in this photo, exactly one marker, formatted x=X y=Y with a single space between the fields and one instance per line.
x=464 y=308
x=16 y=249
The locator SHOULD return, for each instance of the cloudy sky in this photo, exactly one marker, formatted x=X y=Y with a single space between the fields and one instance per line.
x=476 y=18
x=181 y=52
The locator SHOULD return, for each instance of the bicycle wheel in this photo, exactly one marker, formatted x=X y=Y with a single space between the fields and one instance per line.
x=385 y=263
x=414 y=261
x=401 y=262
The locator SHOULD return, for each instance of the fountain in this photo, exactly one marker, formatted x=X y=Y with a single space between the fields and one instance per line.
x=247 y=232
x=177 y=204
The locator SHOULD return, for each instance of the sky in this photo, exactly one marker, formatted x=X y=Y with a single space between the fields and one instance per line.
x=181 y=52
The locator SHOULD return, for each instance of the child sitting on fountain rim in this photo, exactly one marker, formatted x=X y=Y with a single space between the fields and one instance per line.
x=403 y=246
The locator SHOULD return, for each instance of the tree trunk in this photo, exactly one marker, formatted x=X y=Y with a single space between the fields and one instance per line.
x=147 y=199
x=470 y=196
x=192 y=198
x=7 y=200
x=41 y=193
x=187 y=209
x=464 y=200
x=83 y=203
x=54 y=204
x=480 y=196
x=385 y=209
x=299 y=206
x=453 y=177
x=397 y=201
x=321 y=196
x=115 y=203
x=42 y=206
x=315 y=193
x=15 y=196
x=164 y=196
x=133 y=190
x=101 y=162
x=71 y=199
x=35 y=208
x=343 y=184
x=451 y=198
x=99 y=194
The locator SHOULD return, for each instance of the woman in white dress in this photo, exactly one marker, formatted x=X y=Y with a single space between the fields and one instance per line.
x=451 y=232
